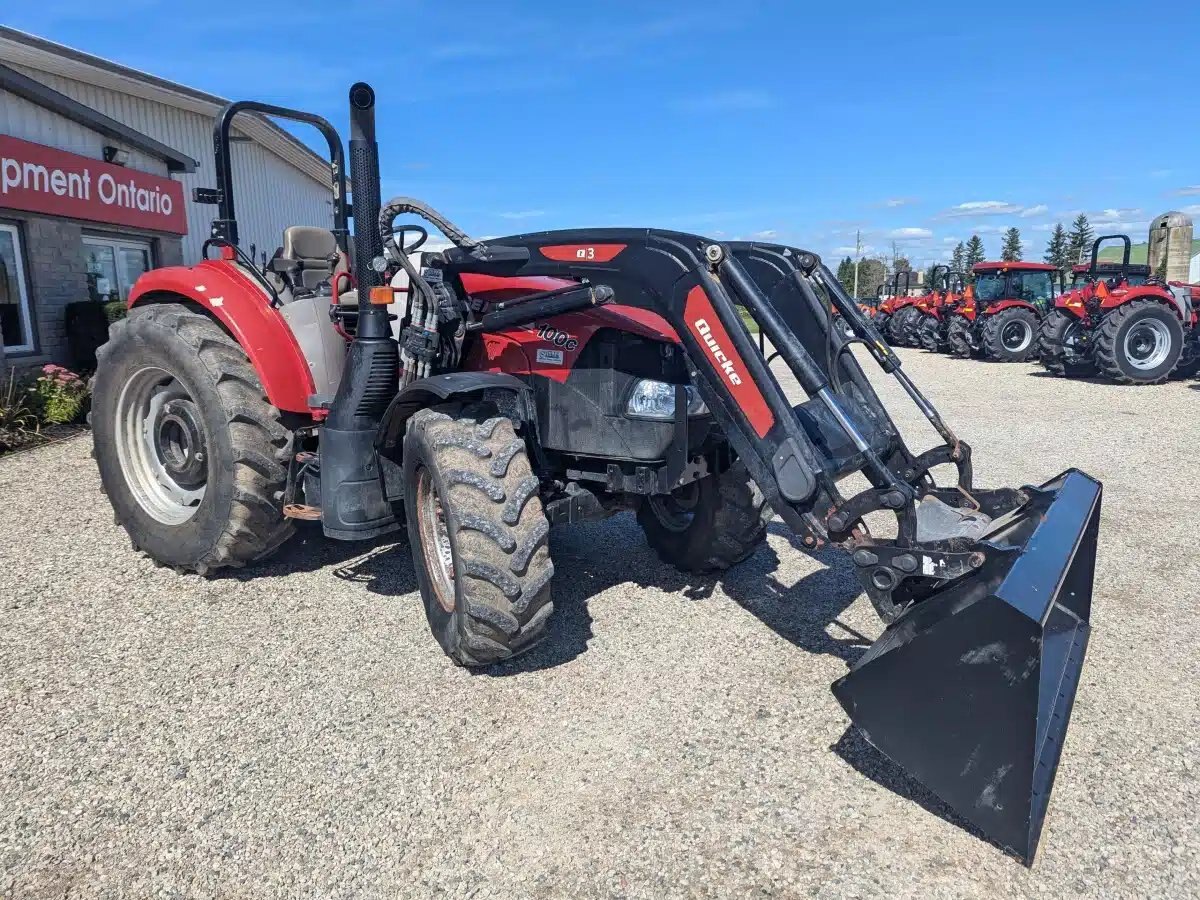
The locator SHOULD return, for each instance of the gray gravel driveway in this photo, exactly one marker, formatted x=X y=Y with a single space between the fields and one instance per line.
x=293 y=730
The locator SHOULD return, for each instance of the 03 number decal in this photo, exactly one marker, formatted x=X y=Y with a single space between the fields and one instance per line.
x=557 y=337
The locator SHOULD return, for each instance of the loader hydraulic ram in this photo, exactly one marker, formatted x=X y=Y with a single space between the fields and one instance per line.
x=987 y=592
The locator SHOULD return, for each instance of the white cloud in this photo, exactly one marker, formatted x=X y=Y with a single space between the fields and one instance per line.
x=1191 y=190
x=909 y=234
x=1028 y=212
x=851 y=250
x=983 y=208
x=767 y=234
x=522 y=214
x=896 y=202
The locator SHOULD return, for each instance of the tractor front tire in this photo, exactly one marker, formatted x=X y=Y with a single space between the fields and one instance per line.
x=958 y=337
x=1139 y=342
x=1056 y=348
x=1010 y=335
x=478 y=534
x=709 y=525
x=191 y=455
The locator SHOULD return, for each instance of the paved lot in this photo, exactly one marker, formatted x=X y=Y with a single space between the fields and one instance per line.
x=295 y=731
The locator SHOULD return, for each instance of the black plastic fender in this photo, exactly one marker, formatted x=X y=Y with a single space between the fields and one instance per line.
x=440 y=388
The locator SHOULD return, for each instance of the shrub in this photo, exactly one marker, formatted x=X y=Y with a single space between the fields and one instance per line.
x=60 y=395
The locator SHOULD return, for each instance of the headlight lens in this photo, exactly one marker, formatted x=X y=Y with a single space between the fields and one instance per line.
x=652 y=399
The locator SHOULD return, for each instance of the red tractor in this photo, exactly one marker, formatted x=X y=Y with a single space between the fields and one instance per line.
x=565 y=376
x=948 y=291
x=1120 y=321
x=891 y=318
x=1001 y=322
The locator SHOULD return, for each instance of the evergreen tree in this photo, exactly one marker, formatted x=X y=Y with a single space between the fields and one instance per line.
x=958 y=259
x=973 y=254
x=1057 y=252
x=1079 y=239
x=845 y=274
x=1012 y=250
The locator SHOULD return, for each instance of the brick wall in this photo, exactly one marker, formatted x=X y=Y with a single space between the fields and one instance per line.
x=57 y=276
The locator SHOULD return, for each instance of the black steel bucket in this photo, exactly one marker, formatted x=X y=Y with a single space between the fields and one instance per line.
x=971 y=690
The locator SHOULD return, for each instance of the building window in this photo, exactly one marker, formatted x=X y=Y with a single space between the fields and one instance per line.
x=14 y=302
x=113 y=265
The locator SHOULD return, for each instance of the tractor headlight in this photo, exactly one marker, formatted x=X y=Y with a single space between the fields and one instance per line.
x=652 y=399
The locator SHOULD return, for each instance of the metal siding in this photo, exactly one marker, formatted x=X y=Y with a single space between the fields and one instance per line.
x=271 y=193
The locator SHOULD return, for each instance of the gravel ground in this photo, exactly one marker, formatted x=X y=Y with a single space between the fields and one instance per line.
x=294 y=730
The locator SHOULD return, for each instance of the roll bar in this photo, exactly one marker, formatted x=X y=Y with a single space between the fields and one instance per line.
x=1124 y=238
x=224 y=227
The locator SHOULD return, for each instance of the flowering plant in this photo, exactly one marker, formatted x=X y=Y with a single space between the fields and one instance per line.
x=61 y=394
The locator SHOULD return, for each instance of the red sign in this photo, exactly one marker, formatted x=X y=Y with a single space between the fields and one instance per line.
x=41 y=179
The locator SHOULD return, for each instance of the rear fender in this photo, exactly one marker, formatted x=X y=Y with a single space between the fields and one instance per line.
x=1149 y=292
x=244 y=310
x=1002 y=305
x=427 y=392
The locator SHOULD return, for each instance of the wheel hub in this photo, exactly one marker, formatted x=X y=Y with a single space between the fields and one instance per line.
x=1147 y=344
x=179 y=443
x=1015 y=336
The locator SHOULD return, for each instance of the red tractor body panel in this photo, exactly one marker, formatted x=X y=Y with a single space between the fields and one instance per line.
x=551 y=348
x=241 y=306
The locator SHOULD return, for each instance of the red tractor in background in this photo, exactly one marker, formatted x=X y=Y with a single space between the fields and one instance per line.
x=566 y=376
x=1000 y=322
x=1122 y=322
x=949 y=289
x=896 y=310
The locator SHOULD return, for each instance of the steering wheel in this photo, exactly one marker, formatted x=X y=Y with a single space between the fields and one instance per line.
x=400 y=238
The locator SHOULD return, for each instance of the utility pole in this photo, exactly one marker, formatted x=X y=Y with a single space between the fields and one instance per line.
x=857 y=257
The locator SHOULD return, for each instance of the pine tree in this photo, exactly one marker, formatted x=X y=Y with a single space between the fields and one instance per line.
x=1057 y=253
x=1080 y=238
x=973 y=254
x=845 y=274
x=1012 y=250
x=958 y=259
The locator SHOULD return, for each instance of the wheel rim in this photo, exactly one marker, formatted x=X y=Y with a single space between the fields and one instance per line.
x=676 y=511
x=1147 y=344
x=1015 y=336
x=435 y=540
x=161 y=446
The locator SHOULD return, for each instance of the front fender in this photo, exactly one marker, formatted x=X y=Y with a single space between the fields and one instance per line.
x=438 y=389
x=245 y=311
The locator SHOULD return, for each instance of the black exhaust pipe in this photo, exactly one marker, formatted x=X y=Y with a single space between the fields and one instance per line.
x=354 y=505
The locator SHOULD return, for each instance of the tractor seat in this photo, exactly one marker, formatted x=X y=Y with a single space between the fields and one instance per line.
x=308 y=257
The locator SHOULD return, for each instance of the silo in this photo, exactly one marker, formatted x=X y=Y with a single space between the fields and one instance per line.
x=1170 y=250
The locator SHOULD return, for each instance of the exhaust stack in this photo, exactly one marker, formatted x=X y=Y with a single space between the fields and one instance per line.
x=353 y=504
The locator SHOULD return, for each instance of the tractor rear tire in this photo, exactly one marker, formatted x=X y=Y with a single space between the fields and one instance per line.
x=1010 y=335
x=930 y=334
x=709 y=525
x=958 y=337
x=1056 y=350
x=1139 y=342
x=478 y=534
x=191 y=455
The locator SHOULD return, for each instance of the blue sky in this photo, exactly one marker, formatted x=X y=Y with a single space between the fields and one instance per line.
x=919 y=123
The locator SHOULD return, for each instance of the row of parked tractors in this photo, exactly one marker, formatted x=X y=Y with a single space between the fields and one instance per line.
x=1114 y=319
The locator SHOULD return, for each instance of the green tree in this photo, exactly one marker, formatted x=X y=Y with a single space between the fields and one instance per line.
x=973 y=254
x=1080 y=237
x=845 y=274
x=958 y=259
x=1011 y=251
x=1057 y=252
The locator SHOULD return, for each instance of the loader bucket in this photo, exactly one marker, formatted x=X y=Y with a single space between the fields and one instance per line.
x=971 y=690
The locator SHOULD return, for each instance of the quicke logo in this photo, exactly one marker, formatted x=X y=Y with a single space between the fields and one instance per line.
x=718 y=354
